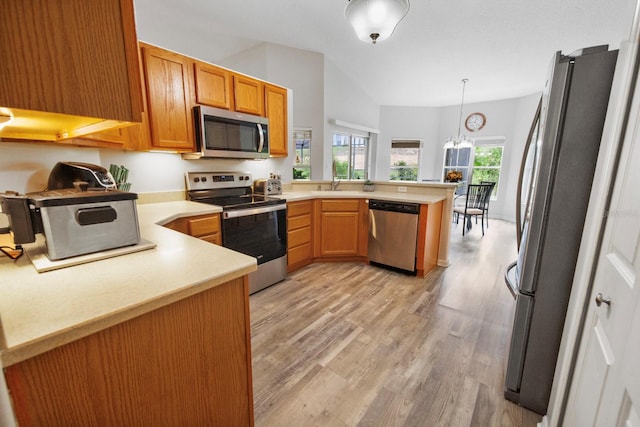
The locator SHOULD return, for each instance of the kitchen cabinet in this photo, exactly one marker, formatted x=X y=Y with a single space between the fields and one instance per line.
x=341 y=229
x=168 y=79
x=213 y=85
x=112 y=138
x=248 y=95
x=276 y=112
x=186 y=363
x=68 y=66
x=204 y=227
x=429 y=225
x=299 y=232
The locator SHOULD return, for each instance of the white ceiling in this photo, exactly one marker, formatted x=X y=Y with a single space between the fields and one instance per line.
x=504 y=47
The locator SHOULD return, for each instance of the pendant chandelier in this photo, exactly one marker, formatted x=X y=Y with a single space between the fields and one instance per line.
x=375 y=20
x=459 y=141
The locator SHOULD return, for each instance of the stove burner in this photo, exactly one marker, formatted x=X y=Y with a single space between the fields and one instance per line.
x=230 y=190
x=229 y=203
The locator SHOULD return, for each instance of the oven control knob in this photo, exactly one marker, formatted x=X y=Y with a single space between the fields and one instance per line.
x=196 y=179
x=246 y=178
x=204 y=179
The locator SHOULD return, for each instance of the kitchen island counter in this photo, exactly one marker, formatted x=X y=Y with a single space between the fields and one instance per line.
x=423 y=199
x=42 y=311
x=434 y=196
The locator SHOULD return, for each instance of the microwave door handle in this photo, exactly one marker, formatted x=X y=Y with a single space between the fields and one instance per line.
x=261 y=138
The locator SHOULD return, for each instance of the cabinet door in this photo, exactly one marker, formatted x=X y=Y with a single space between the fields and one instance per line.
x=71 y=57
x=112 y=138
x=248 y=95
x=204 y=227
x=169 y=99
x=339 y=233
x=276 y=112
x=175 y=365
x=213 y=86
x=339 y=230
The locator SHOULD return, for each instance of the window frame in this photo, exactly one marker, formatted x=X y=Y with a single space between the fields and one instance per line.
x=352 y=153
x=408 y=144
x=307 y=134
x=469 y=168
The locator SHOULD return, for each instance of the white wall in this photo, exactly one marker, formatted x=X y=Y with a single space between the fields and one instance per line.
x=410 y=123
x=319 y=93
x=303 y=73
x=25 y=167
x=347 y=102
x=509 y=119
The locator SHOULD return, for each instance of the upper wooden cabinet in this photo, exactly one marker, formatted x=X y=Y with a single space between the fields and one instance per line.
x=213 y=85
x=248 y=95
x=168 y=79
x=72 y=57
x=276 y=111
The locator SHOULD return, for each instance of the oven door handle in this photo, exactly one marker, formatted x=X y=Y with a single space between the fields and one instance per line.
x=253 y=211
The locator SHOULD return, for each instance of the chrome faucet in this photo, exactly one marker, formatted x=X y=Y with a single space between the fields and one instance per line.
x=334 y=183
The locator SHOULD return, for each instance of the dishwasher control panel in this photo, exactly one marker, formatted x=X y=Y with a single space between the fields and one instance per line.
x=389 y=206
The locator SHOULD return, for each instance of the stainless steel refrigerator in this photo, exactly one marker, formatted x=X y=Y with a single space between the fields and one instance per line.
x=553 y=193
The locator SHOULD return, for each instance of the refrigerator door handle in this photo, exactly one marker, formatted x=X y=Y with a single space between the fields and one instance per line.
x=521 y=177
x=510 y=279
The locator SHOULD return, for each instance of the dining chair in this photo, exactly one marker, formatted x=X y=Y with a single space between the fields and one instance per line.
x=474 y=206
x=486 y=208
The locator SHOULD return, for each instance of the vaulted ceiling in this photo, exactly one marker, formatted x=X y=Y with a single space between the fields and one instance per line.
x=504 y=47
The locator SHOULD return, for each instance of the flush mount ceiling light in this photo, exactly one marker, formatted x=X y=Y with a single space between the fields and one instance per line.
x=459 y=141
x=375 y=20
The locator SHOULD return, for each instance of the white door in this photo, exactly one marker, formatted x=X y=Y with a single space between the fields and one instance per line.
x=606 y=386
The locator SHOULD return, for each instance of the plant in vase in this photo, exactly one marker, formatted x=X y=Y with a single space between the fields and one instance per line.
x=453 y=176
x=368 y=186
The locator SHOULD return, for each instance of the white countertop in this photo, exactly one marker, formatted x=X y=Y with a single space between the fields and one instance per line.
x=425 y=199
x=41 y=311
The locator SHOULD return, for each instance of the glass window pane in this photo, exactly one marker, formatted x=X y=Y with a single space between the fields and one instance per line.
x=487 y=164
x=302 y=162
x=404 y=162
x=488 y=156
x=350 y=154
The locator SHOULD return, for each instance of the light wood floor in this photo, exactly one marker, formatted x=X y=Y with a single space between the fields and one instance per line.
x=347 y=344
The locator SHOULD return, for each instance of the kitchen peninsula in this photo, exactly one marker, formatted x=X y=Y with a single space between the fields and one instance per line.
x=158 y=336
x=439 y=196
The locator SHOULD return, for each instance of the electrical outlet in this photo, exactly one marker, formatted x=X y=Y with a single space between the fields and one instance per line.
x=402 y=189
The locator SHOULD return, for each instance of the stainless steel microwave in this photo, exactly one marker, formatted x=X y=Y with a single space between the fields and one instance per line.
x=227 y=134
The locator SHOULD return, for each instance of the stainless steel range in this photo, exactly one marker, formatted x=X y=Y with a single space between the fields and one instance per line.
x=252 y=224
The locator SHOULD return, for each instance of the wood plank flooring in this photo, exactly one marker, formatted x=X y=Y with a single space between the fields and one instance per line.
x=347 y=344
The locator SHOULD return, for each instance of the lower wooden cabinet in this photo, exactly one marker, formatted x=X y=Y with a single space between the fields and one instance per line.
x=204 y=227
x=187 y=363
x=429 y=223
x=341 y=228
x=299 y=232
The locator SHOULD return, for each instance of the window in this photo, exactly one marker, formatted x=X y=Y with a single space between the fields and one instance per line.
x=405 y=160
x=457 y=159
x=302 y=162
x=480 y=163
x=350 y=154
x=487 y=162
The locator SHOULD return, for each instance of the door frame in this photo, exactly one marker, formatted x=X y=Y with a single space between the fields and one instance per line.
x=625 y=79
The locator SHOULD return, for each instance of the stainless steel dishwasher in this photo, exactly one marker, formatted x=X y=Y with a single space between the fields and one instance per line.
x=393 y=234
